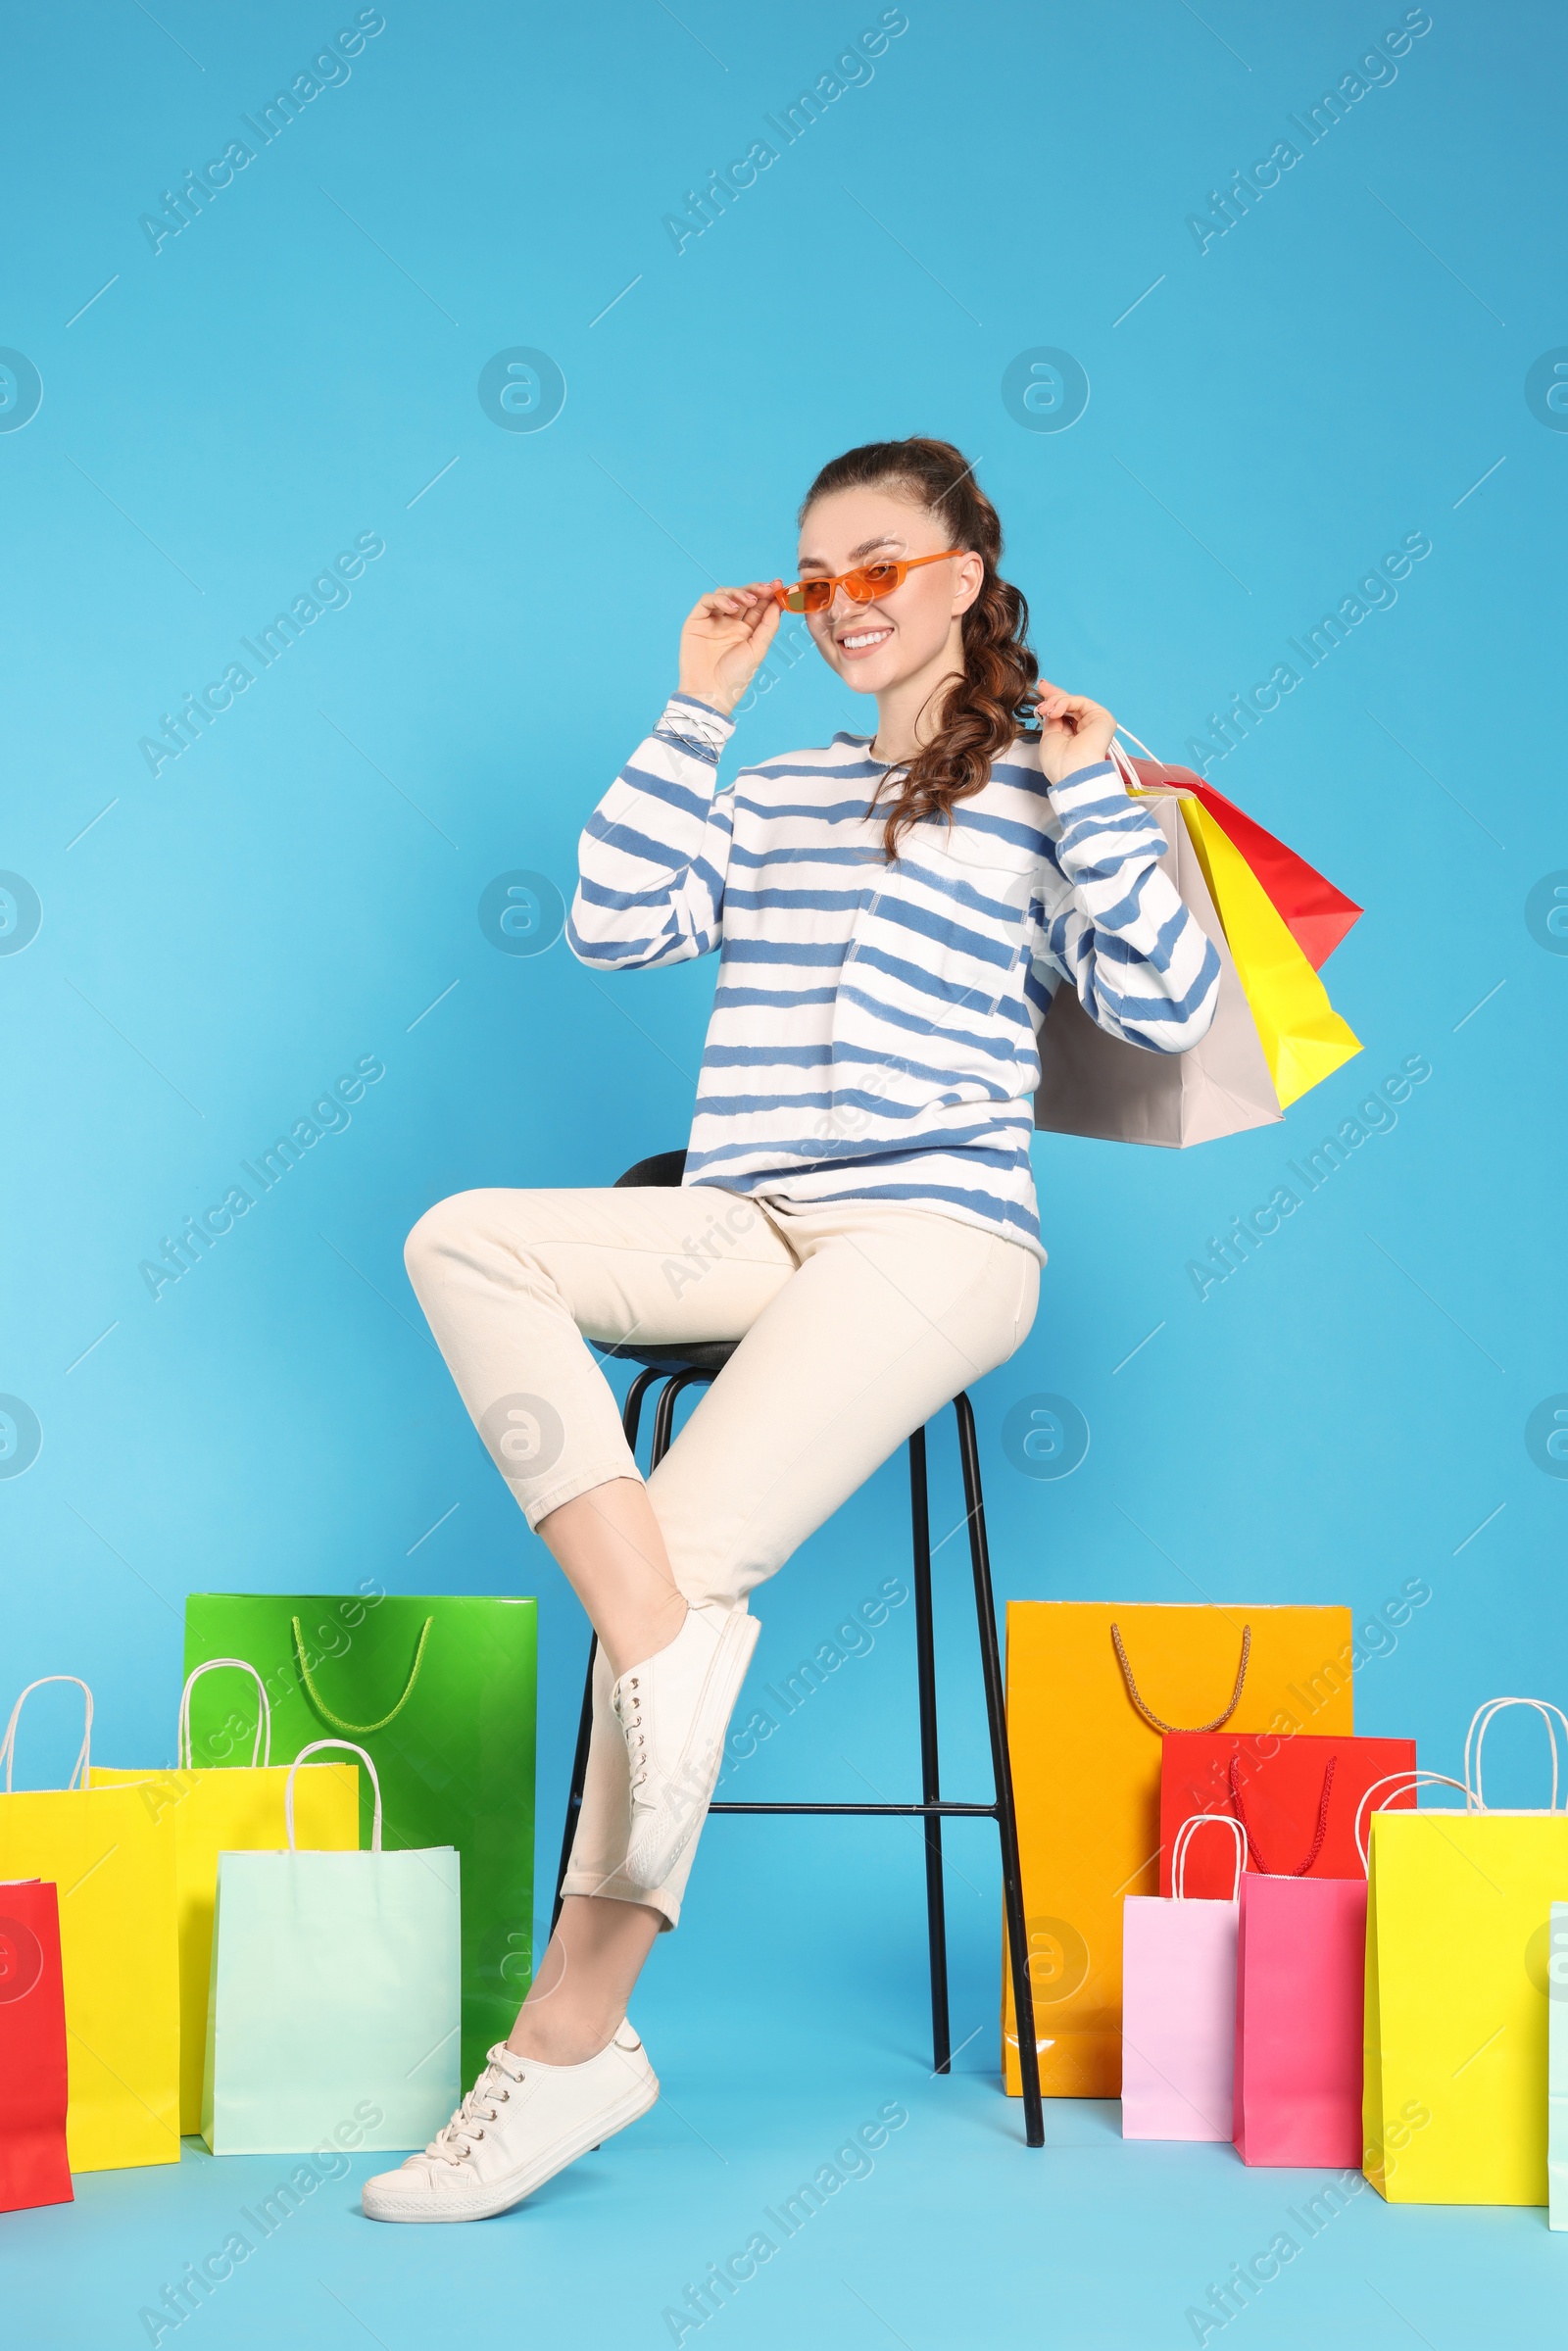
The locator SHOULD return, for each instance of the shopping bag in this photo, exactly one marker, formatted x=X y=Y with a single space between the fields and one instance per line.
x=1558 y=2070
x=1459 y=1943
x=1178 y=2034
x=1096 y=1085
x=1300 y=1959
x=441 y=1691
x=1392 y=2129
x=33 y=2165
x=112 y=1856
x=232 y=1808
x=1316 y=914
x=1295 y=1798
x=1305 y=1040
x=336 y=1999
x=1092 y=1688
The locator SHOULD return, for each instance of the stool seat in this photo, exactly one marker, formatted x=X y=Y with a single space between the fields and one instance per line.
x=708 y=1355
x=665 y=1169
x=674 y=1368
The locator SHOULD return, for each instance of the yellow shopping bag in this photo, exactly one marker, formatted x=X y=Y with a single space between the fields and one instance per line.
x=113 y=1859
x=1459 y=1943
x=1304 y=1037
x=231 y=1810
x=1092 y=1688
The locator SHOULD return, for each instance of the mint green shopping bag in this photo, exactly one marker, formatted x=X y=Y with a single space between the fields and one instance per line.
x=441 y=1691
x=334 y=2013
x=1557 y=2068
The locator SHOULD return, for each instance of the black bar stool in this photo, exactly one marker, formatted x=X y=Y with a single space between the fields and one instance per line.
x=694 y=1365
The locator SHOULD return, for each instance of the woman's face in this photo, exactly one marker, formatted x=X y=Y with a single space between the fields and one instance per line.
x=877 y=646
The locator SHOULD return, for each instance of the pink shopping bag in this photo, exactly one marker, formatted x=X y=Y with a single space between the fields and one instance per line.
x=1300 y=1966
x=1301 y=1995
x=1179 y=2003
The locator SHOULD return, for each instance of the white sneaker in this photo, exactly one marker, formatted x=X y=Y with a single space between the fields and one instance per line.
x=675 y=1709
x=519 y=2124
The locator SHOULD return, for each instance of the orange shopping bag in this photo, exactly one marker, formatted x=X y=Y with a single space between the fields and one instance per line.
x=1092 y=1688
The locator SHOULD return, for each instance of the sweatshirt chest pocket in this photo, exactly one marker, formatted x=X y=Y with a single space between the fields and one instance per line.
x=939 y=937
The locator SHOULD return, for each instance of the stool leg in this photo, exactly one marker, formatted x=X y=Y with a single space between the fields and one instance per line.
x=1002 y=1765
x=664 y=1415
x=629 y=1420
x=579 y=1773
x=930 y=1771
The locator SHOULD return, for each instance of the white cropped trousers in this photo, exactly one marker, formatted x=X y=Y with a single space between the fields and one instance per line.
x=856 y=1321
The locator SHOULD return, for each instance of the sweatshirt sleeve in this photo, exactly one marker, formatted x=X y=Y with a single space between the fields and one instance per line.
x=1110 y=921
x=653 y=857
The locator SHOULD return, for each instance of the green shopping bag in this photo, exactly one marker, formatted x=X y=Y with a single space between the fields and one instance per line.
x=333 y=2015
x=441 y=1693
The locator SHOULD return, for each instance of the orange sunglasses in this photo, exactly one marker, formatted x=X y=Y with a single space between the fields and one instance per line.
x=863 y=585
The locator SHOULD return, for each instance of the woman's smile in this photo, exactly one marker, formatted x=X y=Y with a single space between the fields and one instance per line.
x=858 y=642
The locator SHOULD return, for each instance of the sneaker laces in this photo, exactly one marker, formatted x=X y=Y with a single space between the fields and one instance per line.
x=629 y=1714
x=454 y=2142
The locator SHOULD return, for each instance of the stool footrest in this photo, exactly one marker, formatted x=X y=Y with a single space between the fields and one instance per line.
x=971 y=1812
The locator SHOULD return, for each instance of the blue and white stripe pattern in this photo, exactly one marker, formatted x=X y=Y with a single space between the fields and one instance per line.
x=873 y=1025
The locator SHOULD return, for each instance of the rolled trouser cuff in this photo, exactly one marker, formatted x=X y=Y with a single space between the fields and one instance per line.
x=580 y=1481
x=619 y=1888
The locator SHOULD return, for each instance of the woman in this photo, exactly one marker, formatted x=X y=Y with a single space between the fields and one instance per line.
x=894 y=913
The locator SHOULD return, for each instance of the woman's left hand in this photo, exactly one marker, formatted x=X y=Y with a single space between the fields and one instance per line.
x=1076 y=732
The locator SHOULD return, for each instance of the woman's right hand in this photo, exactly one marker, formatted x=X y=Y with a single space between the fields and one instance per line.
x=727 y=634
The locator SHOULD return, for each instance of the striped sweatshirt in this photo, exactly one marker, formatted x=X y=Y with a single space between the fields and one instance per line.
x=873 y=1027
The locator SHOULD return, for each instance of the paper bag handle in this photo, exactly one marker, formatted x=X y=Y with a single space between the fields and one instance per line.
x=1132 y=738
x=1478 y=1731
x=1153 y=1719
x=1364 y=1827
x=336 y=1720
x=1129 y=774
x=1304 y=1869
x=1184 y=1838
x=261 y=1751
x=314 y=1748
x=8 y=1744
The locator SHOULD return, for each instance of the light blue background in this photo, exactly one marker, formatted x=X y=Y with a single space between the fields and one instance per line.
x=300 y=888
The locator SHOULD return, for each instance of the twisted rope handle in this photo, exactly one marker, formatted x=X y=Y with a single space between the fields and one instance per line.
x=1148 y=1713
x=1305 y=1868
x=361 y=1730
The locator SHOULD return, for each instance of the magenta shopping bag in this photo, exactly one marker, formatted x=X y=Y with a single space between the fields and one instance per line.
x=1301 y=1977
x=1178 y=2032
x=1300 y=1998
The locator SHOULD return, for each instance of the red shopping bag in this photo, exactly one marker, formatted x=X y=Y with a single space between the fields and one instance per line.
x=1296 y=1797
x=1316 y=914
x=33 y=2049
